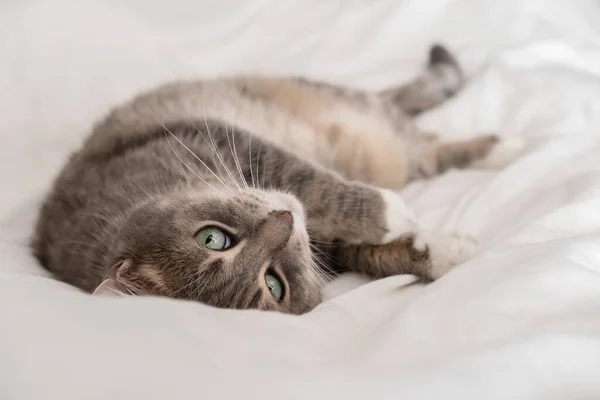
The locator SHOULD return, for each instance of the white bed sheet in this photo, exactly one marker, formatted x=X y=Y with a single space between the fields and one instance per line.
x=520 y=321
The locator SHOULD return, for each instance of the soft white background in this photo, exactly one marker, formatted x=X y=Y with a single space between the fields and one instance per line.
x=520 y=321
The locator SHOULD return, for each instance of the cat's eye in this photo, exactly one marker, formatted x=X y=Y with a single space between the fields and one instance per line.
x=213 y=238
x=274 y=284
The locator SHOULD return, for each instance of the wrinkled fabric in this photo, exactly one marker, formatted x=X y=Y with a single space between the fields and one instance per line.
x=521 y=320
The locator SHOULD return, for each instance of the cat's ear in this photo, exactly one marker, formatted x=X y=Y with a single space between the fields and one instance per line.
x=114 y=284
x=110 y=287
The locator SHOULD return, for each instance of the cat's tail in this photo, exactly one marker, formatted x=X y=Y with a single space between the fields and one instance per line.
x=441 y=79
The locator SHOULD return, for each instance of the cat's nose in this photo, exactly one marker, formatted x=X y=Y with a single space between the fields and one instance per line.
x=286 y=216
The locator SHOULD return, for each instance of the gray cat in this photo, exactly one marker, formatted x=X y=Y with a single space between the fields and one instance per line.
x=246 y=192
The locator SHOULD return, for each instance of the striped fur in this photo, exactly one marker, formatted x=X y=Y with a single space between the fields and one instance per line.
x=242 y=153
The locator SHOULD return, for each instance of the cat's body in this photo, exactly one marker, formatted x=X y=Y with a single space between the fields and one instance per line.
x=260 y=160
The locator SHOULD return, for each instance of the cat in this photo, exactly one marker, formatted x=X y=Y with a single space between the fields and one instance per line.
x=247 y=192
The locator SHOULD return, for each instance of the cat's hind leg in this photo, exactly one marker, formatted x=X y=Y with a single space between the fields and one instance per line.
x=433 y=156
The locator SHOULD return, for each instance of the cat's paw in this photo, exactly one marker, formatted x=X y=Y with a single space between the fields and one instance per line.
x=505 y=151
x=399 y=217
x=446 y=251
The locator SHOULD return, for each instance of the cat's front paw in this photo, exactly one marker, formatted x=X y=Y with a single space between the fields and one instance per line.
x=446 y=251
x=399 y=218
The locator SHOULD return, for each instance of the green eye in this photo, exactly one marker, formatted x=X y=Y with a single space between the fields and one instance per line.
x=213 y=238
x=275 y=286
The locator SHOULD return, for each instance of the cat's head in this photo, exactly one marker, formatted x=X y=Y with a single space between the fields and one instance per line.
x=247 y=249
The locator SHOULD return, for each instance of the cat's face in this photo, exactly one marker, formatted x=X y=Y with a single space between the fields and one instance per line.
x=247 y=249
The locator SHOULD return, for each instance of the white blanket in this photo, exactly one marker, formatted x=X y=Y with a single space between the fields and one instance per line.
x=520 y=321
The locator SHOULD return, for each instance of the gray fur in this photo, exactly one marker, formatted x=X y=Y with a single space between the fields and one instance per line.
x=441 y=79
x=126 y=206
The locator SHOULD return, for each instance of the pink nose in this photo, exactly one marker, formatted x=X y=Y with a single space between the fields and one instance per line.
x=286 y=216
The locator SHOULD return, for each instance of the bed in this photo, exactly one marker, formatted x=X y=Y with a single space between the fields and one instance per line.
x=519 y=321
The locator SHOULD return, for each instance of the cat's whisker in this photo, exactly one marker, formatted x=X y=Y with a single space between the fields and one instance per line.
x=264 y=177
x=214 y=145
x=326 y=275
x=257 y=159
x=320 y=275
x=162 y=123
x=323 y=242
x=324 y=265
x=191 y=170
x=312 y=234
x=235 y=156
x=250 y=161
x=201 y=280
x=132 y=179
x=198 y=158
x=234 y=114
x=322 y=252
x=227 y=168
x=198 y=279
x=317 y=263
x=132 y=290
x=193 y=282
x=215 y=152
